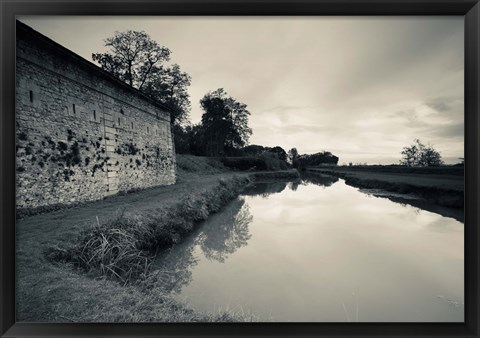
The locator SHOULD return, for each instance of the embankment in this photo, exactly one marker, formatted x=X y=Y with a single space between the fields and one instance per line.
x=123 y=248
x=275 y=175
x=90 y=263
x=440 y=189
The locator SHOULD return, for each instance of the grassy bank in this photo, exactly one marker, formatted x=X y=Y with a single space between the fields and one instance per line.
x=89 y=263
x=276 y=175
x=54 y=285
x=441 y=189
x=124 y=247
x=443 y=170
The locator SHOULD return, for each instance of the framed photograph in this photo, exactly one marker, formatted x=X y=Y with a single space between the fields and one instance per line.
x=248 y=169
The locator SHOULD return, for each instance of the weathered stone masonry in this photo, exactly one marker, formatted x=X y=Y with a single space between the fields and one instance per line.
x=81 y=133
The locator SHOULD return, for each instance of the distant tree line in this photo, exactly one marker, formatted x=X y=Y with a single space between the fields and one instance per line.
x=311 y=160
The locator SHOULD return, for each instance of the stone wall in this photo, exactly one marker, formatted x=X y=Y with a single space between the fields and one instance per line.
x=81 y=133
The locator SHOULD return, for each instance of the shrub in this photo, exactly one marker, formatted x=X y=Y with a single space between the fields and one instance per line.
x=264 y=161
x=244 y=163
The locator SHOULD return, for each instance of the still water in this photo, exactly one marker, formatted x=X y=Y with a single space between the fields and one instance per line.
x=320 y=250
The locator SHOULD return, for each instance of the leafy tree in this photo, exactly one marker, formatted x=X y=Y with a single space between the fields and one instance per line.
x=411 y=155
x=280 y=152
x=189 y=139
x=252 y=150
x=181 y=139
x=292 y=154
x=430 y=158
x=136 y=59
x=133 y=57
x=224 y=123
x=420 y=155
x=169 y=86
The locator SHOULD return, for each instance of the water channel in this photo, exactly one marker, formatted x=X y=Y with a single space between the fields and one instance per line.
x=318 y=250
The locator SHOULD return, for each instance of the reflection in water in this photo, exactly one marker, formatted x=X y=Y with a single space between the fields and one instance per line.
x=321 y=251
x=265 y=189
x=225 y=232
x=175 y=270
x=294 y=185
x=417 y=203
x=322 y=180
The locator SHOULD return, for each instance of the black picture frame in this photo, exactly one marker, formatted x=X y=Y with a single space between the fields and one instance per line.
x=470 y=9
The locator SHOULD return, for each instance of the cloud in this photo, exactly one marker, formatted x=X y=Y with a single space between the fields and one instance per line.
x=440 y=105
x=361 y=87
x=448 y=132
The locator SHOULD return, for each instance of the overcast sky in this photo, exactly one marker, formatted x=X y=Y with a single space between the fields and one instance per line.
x=360 y=87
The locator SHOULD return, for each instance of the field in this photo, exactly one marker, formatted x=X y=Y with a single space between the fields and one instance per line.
x=441 y=181
x=440 y=186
